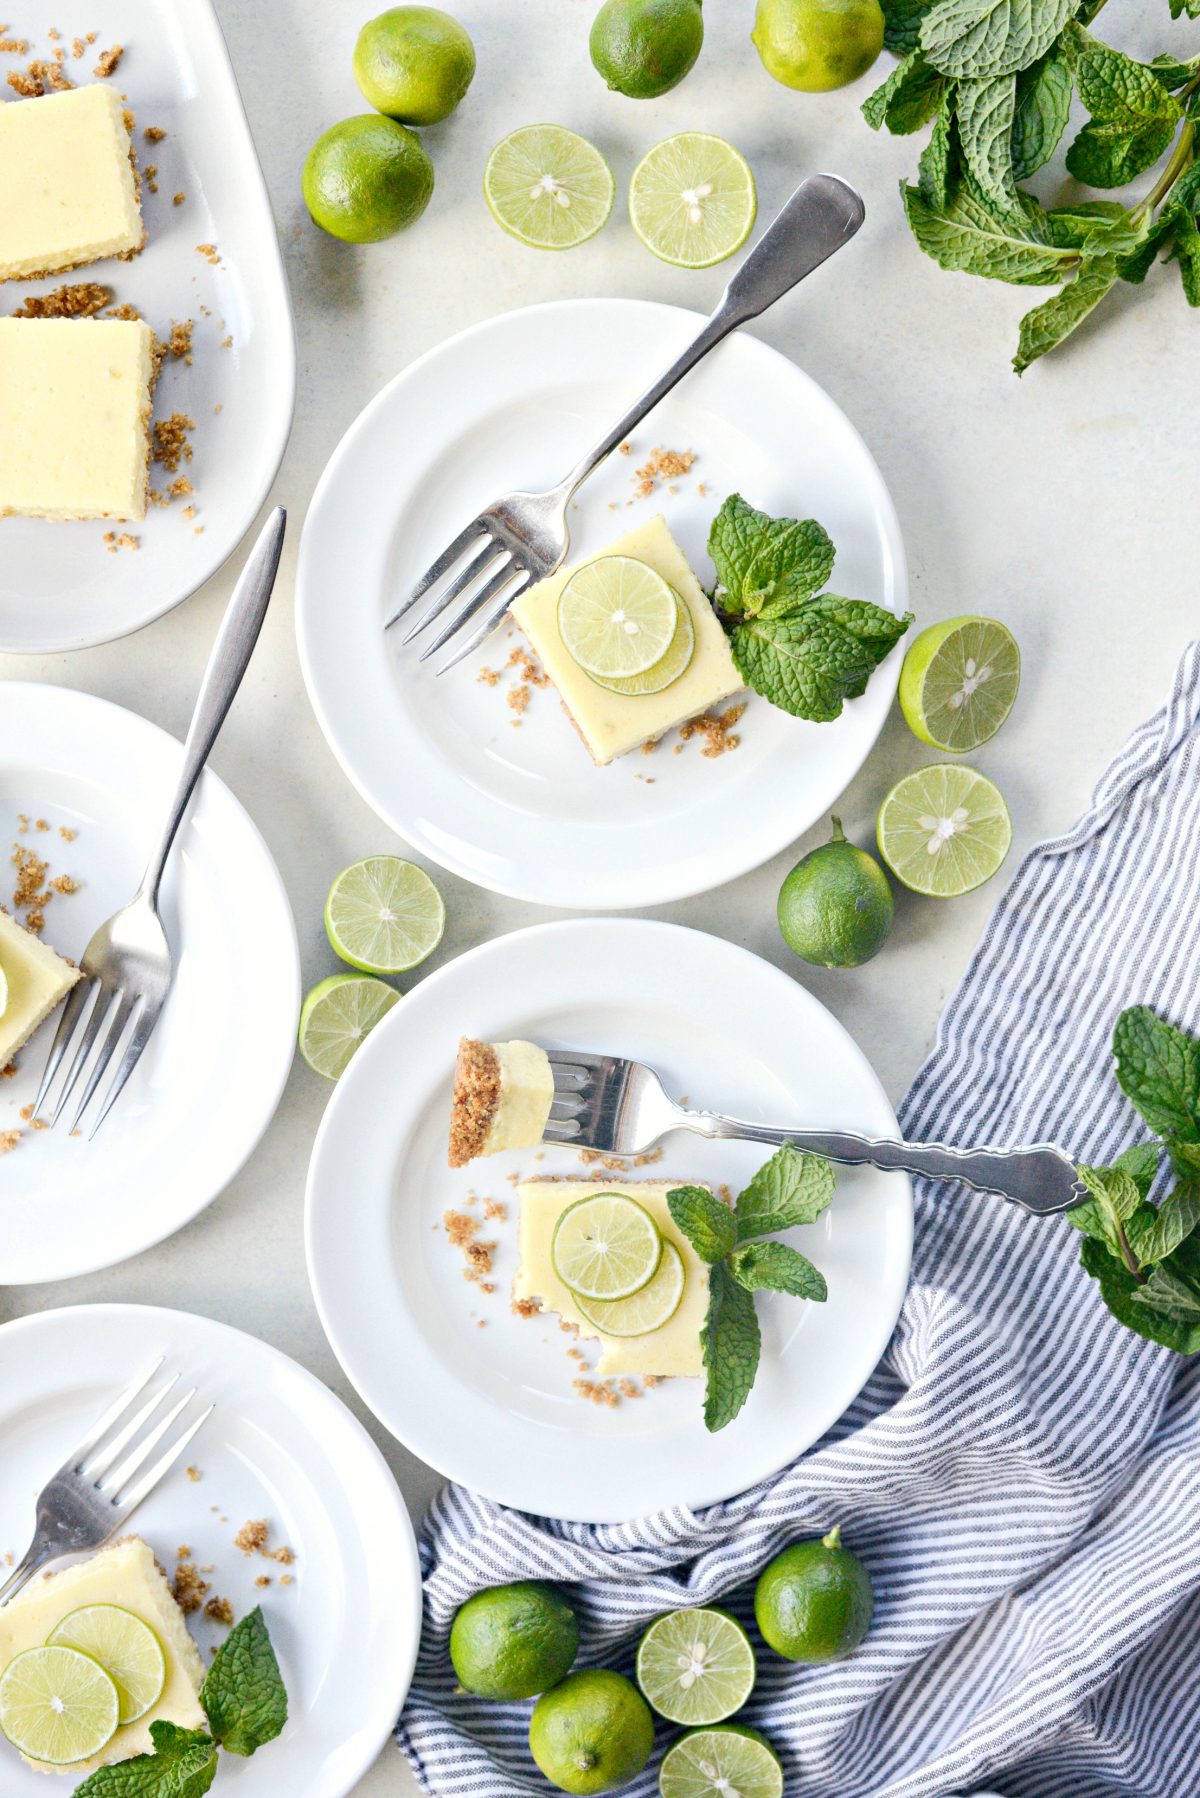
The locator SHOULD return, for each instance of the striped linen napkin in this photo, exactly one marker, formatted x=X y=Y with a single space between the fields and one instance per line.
x=1021 y=1475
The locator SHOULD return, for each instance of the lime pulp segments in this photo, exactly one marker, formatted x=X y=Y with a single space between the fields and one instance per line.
x=712 y=1763
x=337 y=1016
x=57 y=1705
x=384 y=915
x=606 y=1246
x=128 y=1650
x=692 y=199
x=696 y=1667
x=944 y=830
x=548 y=186
x=617 y=617
x=649 y=1309
x=959 y=682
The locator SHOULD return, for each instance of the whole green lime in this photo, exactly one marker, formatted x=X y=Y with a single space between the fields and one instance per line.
x=813 y=1602
x=592 y=1733
x=415 y=63
x=513 y=1641
x=835 y=907
x=366 y=179
x=644 y=48
x=815 y=45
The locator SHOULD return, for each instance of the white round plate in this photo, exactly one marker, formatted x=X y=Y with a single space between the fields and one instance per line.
x=512 y=403
x=279 y=1446
x=211 y=1075
x=493 y=1406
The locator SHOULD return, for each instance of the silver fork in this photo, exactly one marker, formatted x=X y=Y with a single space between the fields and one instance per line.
x=523 y=537
x=98 y=1487
x=621 y=1108
x=127 y=964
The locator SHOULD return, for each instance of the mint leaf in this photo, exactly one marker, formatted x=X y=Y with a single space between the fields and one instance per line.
x=731 y=1343
x=1170 y=1296
x=967 y=236
x=1141 y=1164
x=1097 y=227
x=1115 y=1200
x=708 y=1225
x=766 y=565
x=810 y=661
x=1158 y=1069
x=1190 y=7
x=986 y=110
x=183 y=1765
x=1171 y=72
x=902 y=24
x=243 y=1696
x=1048 y=324
x=1174 y=231
x=790 y=1189
x=1153 y=1235
x=774 y=1267
x=973 y=39
x=1133 y=116
x=939 y=161
x=908 y=98
x=1042 y=110
x=1120 y=1291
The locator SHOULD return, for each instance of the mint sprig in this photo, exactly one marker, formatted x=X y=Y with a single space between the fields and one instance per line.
x=804 y=650
x=995 y=81
x=245 y=1701
x=790 y=1189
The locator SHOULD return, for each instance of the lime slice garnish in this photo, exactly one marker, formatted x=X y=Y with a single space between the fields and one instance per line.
x=548 y=186
x=712 y=1763
x=667 y=670
x=959 y=682
x=58 y=1706
x=127 y=1649
x=696 y=1666
x=944 y=830
x=617 y=617
x=606 y=1246
x=384 y=915
x=336 y=1017
x=692 y=199
x=652 y=1307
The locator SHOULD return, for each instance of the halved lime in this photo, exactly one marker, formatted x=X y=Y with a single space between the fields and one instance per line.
x=713 y=1763
x=959 y=682
x=58 y=1705
x=944 y=830
x=643 y=1311
x=548 y=186
x=127 y=1649
x=617 y=617
x=606 y=1246
x=384 y=915
x=696 y=1666
x=692 y=199
x=667 y=670
x=337 y=1016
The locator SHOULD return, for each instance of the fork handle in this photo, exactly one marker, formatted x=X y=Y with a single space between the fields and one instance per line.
x=35 y=1558
x=227 y=664
x=822 y=215
x=1040 y=1178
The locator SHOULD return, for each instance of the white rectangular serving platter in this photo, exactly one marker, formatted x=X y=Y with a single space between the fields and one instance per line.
x=60 y=586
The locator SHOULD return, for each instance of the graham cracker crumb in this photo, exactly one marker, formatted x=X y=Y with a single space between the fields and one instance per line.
x=661 y=465
x=253 y=1536
x=716 y=729
x=188 y=1587
x=79 y=299
x=599 y=1392
x=475 y=1097
x=109 y=59
x=179 y=343
x=220 y=1611
x=171 y=444
x=9 y=1140
x=209 y=253
x=526 y=1307
x=154 y=134
x=194 y=1474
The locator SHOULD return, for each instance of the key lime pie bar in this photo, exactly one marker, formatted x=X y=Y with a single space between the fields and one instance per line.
x=74 y=415
x=70 y=192
x=630 y=641
x=35 y=981
x=606 y=1238
x=116 y=1605
x=502 y=1097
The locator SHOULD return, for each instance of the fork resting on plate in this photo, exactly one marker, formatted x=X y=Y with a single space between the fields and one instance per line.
x=620 y=1107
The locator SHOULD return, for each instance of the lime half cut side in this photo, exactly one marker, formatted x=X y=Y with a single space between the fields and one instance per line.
x=696 y=1666
x=128 y=1650
x=384 y=915
x=944 y=830
x=548 y=186
x=606 y=1246
x=959 y=682
x=692 y=199
x=617 y=617
x=649 y=1309
x=337 y=1017
x=667 y=670
x=713 y=1763
x=58 y=1705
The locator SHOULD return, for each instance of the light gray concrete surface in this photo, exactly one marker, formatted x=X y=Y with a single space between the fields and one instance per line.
x=1064 y=503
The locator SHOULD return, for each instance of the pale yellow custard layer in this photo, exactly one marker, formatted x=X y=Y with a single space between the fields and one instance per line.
x=672 y=1349
x=125 y=1575
x=526 y=1092
x=74 y=416
x=611 y=724
x=37 y=979
x=69 y=193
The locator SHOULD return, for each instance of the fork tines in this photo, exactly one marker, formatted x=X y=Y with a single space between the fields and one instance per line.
x=575 y=1076
x=98 y=1039
x=493 y=578
x=115 y=1452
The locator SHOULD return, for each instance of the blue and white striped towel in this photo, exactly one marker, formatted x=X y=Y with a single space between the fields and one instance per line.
x=1021 y=1475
